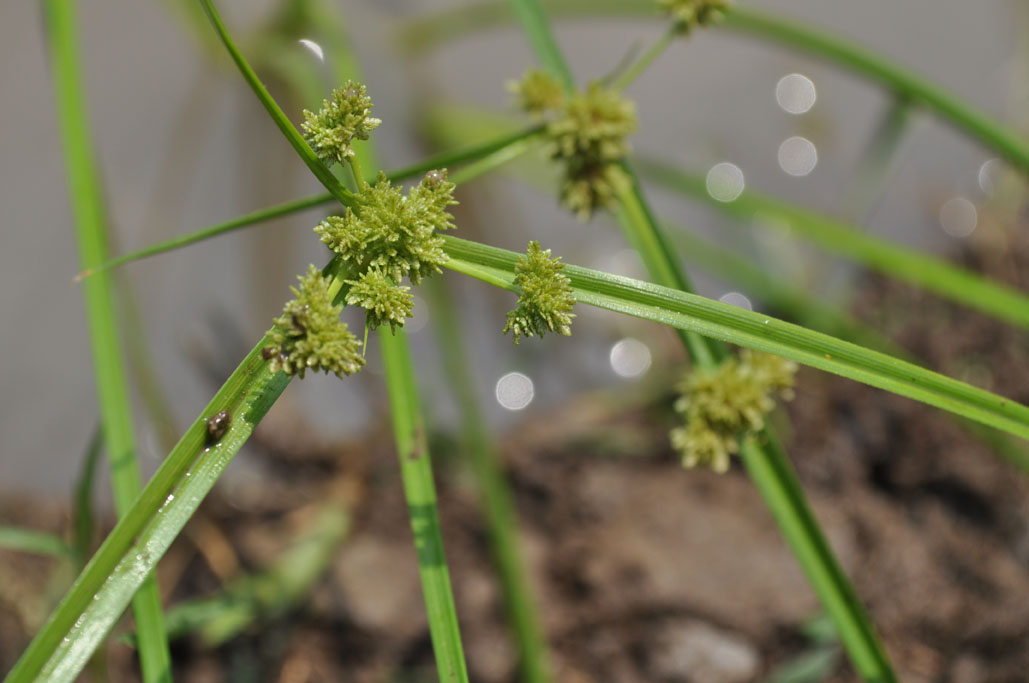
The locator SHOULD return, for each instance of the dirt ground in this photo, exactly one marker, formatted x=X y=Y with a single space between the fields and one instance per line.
x=645 y=572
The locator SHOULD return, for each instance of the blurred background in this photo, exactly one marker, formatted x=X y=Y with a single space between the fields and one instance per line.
x=183 y=144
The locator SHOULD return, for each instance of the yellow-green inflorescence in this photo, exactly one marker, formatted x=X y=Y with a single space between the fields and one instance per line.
x=385 y=237
x=384 y=301
x=546 y=298
x=587 y=133
x=392 y=233
x=721 y=405
x=690 y=13
x=309 y=334
x=341 y=120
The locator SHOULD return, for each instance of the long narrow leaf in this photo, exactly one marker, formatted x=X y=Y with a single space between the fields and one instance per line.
x=754 y=330
x=292 y=135
x=462 y=155
x=494 y=493
x=111 y=385
x=416 y=470
x=165 y=525
x=33 y=542
x=245 y=395
x=902 y=263
x=420 y=493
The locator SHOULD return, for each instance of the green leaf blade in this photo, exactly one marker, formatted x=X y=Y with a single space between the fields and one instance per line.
x=753 y=330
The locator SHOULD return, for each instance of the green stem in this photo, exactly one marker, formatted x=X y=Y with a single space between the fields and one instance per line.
x=355 y=168
x=646 y=237
x=536 y=28
x=111 y=385
x=635 y=215
x=645 y=60
x=771 y=472
x=420 y=493
x=494 y=493
x=872 y=172
x=491 y=153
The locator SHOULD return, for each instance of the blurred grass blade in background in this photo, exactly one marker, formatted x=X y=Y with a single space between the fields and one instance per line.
x=901 y=263
x=111 y=384
x=495 y=495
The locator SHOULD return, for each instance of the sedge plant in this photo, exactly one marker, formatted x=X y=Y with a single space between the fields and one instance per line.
x=382 y=237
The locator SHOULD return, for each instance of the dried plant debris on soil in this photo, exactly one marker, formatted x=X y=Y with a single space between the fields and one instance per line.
x=647 y=572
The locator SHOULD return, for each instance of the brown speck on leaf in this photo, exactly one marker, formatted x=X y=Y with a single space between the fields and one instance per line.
x=217 y=425
x=418 y=447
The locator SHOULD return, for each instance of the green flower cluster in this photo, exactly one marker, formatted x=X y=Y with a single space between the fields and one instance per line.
x=587 y=132
x=340 y=121
x=309 y=334
x=725 y=403
x=395 y=234
x=383 y=301
x=538 y=93
x=391 y=237
x=546 y=300
x=690 y=13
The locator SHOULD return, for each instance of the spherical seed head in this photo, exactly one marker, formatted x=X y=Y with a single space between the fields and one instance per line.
x=538 y=93
x=546 y=298
x=396 y=235
x=341 y=120
x=384 y=301
x=725 y=403
x=587 y=134
x=309 y=334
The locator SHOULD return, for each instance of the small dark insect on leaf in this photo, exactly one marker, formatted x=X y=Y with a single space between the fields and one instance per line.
x=218 y=425
x=269 y=352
